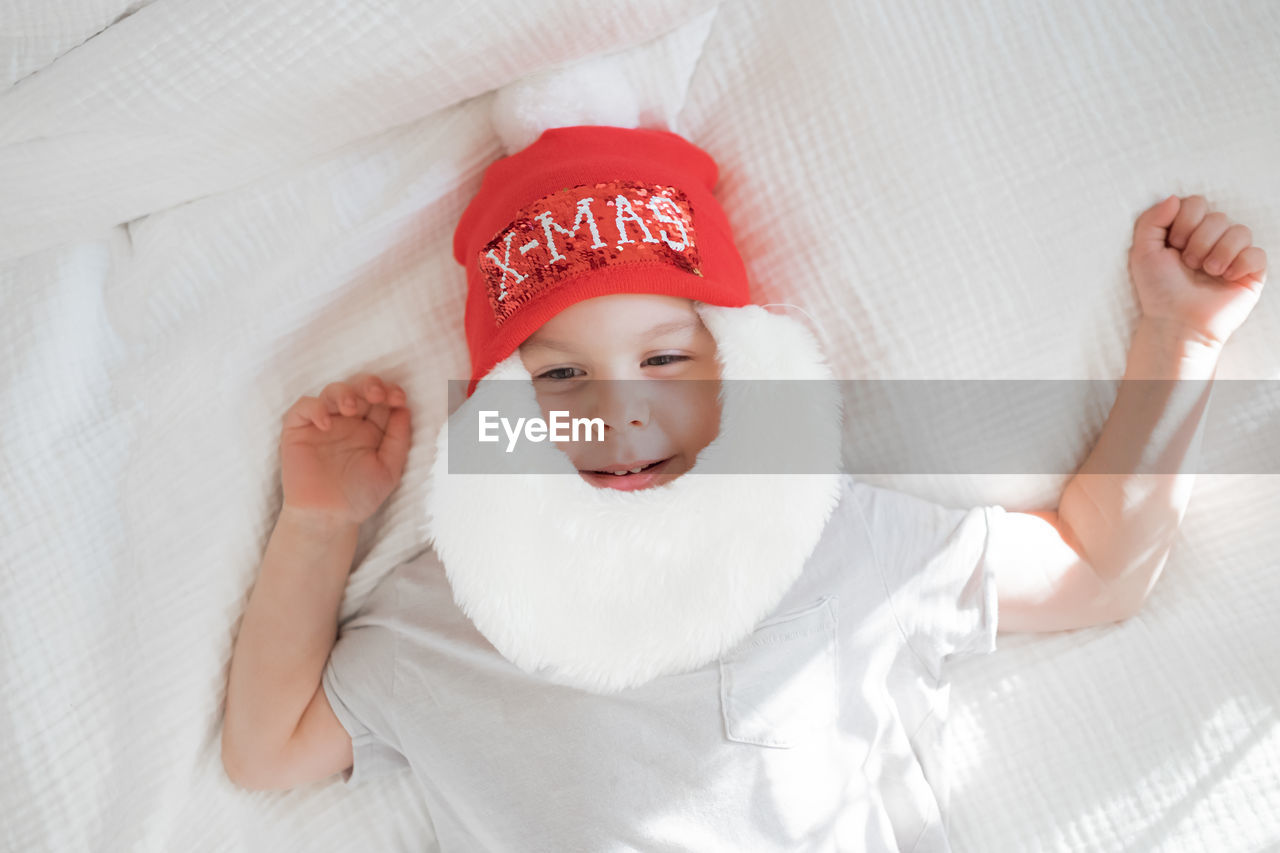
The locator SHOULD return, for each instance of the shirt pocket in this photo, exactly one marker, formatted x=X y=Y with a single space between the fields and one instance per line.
x=780 y=686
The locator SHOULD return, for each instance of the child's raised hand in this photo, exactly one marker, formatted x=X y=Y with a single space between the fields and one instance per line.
x=1196 y=272
x=343 y=453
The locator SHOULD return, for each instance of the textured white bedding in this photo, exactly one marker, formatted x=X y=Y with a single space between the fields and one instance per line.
x=208 y=210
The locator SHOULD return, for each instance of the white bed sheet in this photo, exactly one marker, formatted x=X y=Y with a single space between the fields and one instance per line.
x=207 y=211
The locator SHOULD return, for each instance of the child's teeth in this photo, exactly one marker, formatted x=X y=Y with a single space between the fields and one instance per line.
x=625 y=473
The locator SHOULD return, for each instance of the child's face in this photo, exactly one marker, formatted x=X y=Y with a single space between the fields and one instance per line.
x=623 y=337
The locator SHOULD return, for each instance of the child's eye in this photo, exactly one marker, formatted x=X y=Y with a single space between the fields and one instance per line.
x=674 y=358
x=557 y=373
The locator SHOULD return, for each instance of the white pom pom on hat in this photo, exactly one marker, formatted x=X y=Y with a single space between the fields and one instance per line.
x=592 y=91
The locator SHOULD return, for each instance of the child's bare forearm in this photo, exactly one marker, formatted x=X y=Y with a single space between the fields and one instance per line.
x=289 y=628
x=1128 y=498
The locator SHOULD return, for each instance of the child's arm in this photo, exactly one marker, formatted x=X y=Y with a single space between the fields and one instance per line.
x=341 y=456
x=1126 y=521
x=1098 y=556
x=288 y=631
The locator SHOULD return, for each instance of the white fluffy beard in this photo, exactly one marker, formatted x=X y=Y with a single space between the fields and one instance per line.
x=603 y=589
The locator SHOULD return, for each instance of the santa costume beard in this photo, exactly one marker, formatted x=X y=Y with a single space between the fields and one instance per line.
x=603 y=589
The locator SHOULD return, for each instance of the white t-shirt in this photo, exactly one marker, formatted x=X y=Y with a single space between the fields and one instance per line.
x=820 y=732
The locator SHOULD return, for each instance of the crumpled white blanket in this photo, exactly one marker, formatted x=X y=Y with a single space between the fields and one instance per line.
x=208 y=210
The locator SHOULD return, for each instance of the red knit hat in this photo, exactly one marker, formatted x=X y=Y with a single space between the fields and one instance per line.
x=587 y=211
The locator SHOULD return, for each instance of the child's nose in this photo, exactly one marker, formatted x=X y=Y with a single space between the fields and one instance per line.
x=622 y=403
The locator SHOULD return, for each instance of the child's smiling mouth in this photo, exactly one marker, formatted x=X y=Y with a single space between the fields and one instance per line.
x=639 y=476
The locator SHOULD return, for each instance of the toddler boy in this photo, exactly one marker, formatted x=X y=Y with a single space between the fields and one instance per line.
x=640 y=647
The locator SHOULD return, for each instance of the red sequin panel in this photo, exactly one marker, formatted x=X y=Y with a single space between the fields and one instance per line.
x=585 y=228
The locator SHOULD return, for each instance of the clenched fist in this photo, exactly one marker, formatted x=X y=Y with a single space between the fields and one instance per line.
x=1196 y=272
x=343 y=453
